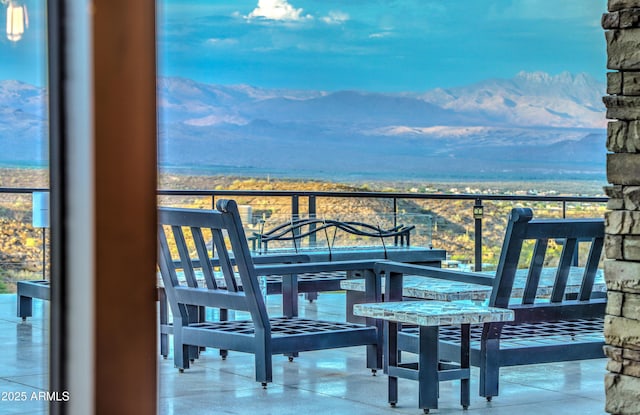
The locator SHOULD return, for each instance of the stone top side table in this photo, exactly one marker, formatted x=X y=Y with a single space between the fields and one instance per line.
x=429 y=316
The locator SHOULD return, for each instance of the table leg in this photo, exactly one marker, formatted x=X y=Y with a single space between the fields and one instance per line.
x=391 y=359
x=373 y=295
x=428 y=381
x=465 y=339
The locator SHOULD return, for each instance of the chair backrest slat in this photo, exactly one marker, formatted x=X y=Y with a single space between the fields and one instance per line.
x=590 y=269
x=224 y=259
x=564 y=266
x=185 y=258
x=168 y=272
x=204 y=258
x=535 y=269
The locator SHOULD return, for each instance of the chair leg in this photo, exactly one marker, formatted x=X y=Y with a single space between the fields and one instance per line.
x=224 y=316
x=263 y=359
x=164 y=322
x=181 y=351
x=195 y=314
x=375 y=351
x=25 y=307
x=164 y=345
x=489 y=369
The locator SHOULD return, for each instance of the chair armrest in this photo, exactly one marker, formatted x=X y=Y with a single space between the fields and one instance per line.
x=434 y=272
x=210 y=298
x=287 y=269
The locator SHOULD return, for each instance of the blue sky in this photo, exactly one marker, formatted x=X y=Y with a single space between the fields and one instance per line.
x=383 y=45
x=378 y=45
x=25 y=60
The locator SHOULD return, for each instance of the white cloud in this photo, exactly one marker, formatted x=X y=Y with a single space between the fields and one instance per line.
x=214 y=119
x=336 y=17
x=221 y=42
x=277 y=10
x=379 y=35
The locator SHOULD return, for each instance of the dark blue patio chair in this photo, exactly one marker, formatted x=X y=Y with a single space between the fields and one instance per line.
x=255 y=331
x=558 y=327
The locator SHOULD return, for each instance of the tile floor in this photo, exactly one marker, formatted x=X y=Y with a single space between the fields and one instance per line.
x=325 y=382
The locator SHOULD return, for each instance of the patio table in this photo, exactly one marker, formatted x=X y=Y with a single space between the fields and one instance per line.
x=410 y=254
x=428 y=288
x=407 y=254
x=429 y=370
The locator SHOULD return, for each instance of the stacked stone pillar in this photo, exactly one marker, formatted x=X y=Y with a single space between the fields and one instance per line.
x=622 y=222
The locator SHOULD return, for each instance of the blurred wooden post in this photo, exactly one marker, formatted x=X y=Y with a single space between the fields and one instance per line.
x=102 y=79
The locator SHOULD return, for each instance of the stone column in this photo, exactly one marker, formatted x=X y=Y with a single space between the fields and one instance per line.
x=622 y=222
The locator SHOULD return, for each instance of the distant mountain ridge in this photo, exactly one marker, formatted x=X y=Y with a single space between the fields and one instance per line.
x=530 y=99
x=532 y=125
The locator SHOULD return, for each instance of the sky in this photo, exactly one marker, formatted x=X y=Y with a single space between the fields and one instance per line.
x=374 y=45
x=25 y=60
x=377 y=45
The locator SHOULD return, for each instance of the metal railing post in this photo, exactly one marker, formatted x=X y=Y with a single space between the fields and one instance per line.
x=312 y=215
x=395 y=212
x=395 y=218
x=477 y=215
x=295 y=212
x=295 y=206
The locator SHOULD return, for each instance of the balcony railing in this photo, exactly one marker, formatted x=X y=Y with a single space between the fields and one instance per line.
x=310 y=202
x=463 y=216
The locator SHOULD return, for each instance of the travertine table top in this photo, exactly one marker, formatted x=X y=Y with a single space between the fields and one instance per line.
x=437 y=289
x=433 y=313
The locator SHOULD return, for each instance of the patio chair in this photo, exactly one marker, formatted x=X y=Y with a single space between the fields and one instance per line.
x=258 y=333
x=551 y=324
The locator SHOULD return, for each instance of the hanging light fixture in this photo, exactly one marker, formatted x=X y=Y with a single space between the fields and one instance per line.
x=17 y=20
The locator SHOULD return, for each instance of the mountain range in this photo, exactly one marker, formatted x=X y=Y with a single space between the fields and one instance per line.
x=534 y=125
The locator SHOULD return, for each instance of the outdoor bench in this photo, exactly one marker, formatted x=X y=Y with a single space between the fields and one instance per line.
x=253 y=330
x=27 y=291
x=556 y=327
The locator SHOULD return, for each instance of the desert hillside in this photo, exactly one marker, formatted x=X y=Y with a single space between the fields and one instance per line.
x=446 y=224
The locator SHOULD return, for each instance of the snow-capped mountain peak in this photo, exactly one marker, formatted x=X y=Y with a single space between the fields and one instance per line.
x=530 y=99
